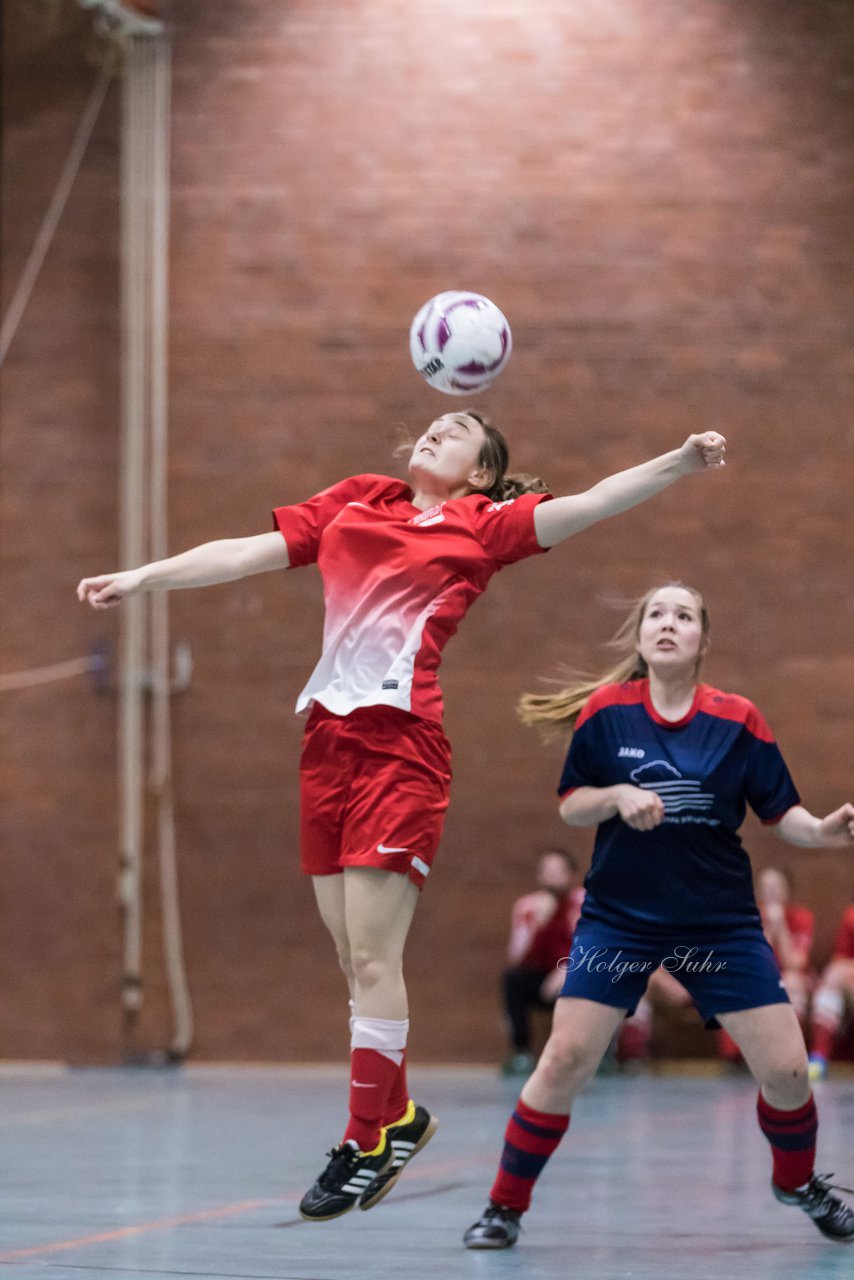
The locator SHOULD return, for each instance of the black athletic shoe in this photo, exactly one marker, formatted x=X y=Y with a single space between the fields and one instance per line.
x=347 y=1175
x=831 y=1215
x=496 y=1228
x=412 y=1132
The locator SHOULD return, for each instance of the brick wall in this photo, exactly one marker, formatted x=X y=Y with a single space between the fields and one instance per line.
x=660 y=199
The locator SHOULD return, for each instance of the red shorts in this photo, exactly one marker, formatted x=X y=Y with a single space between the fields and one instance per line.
x=374 y=787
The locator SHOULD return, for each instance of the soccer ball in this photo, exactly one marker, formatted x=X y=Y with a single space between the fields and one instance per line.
x=460 y=342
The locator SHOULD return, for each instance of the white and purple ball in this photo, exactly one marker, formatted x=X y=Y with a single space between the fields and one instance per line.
x=460 y=342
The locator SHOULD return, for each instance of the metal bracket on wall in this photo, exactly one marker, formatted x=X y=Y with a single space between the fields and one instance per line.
x=103 y=669
x=118 y=19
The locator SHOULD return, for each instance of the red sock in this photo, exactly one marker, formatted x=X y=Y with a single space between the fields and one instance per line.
x=398 y=1099
x=372 y=1077
x=823 y=1036
x=727 y=1047
x=792 y=1135
x=530 y=1139
x=633 y=1043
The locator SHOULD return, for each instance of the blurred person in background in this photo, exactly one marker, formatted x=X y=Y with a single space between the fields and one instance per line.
x=790 y=929
x=541 y=928
x=634 y=1038
x=833 y=999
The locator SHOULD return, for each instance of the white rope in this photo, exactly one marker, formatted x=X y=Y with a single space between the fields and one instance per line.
x=44 y=675
x=47 y=230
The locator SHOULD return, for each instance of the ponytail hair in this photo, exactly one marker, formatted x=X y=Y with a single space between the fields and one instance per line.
x=557 y=712
x=495 y=457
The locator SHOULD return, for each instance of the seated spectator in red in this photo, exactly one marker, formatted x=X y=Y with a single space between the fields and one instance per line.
x=541 y=929
x=834 y=997
x=635 y=1035
x=790 y=929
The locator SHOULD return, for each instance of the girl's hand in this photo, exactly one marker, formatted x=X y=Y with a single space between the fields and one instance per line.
x=639 y=809
x=703 y=451
x=108 y=590
x=836 y=831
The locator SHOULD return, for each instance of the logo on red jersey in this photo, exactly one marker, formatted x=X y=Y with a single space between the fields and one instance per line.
x=433 y=515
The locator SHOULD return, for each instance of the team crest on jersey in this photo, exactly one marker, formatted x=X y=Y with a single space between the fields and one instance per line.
x=433 y=515
x=684 y=800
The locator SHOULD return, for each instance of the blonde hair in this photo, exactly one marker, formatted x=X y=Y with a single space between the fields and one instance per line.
x=557 y=712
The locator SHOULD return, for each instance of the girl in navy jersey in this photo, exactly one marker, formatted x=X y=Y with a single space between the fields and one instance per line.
x=400 y=567
x=664 y=767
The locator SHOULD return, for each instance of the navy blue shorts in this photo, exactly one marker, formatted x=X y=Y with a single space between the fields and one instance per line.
x=722 y=973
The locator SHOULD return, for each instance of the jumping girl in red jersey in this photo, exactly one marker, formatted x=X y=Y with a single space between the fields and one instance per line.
x=400 y=566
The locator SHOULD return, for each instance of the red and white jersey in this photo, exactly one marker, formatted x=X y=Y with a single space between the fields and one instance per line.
x=397 y=582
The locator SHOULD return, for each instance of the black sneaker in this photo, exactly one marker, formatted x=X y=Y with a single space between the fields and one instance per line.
x=831 y=1215
x=412 y=1132
x=496 y=1228
x=347 y=1175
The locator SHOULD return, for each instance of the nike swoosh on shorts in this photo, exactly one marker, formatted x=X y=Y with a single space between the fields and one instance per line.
x=381 y=848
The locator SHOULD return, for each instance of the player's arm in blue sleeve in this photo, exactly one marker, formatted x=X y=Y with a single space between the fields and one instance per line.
x=584 y=803
x=773 y=796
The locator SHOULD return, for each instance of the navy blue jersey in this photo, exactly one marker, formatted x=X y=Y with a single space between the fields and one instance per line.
x=691 y=871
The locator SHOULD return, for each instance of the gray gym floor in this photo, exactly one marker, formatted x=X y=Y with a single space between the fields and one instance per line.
x=198 y=1172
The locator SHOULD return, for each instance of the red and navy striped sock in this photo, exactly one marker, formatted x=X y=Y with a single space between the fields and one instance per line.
x=792 y=1135
x=531 y=1137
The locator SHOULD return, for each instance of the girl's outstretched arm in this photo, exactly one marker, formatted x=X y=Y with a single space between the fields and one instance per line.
x=562 y=517
x=199 y=567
